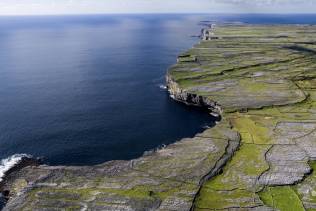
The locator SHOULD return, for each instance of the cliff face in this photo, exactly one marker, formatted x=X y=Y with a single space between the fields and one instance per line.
x=188 y=98
x=262 y=81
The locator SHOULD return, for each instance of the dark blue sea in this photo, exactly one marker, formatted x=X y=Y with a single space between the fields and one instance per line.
x=79 y=90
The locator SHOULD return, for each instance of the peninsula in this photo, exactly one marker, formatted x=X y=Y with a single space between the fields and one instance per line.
x=261 y=80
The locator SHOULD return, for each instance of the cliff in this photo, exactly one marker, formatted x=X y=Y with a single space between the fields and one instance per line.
x=261 y=79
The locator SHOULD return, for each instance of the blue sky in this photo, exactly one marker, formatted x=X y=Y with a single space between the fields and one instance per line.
x=38 y=7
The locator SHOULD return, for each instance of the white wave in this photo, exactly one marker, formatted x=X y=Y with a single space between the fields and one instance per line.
x=206 y=127
x=8 y=163
x=161 y=86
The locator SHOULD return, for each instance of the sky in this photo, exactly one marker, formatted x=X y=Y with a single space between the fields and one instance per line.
x=53 y=7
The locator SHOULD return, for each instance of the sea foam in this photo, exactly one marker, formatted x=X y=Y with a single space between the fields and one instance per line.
x=8 y=163
x=161 y=86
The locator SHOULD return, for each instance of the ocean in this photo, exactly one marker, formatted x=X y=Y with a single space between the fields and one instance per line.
x=82 y=90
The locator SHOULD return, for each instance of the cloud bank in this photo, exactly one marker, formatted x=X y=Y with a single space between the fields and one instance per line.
x=38 y=7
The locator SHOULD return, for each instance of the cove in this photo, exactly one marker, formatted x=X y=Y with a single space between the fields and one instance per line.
x=82 y=90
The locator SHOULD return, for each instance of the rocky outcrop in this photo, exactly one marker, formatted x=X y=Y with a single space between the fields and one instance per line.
x=188 y=98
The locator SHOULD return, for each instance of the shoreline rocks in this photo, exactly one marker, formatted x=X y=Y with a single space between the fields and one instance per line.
x=167 y=179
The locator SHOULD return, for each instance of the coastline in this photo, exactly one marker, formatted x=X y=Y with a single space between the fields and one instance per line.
x=262 y=87
x=176 y=190
x=166 y=179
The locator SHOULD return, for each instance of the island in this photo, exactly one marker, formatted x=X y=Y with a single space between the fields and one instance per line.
x=261 y=81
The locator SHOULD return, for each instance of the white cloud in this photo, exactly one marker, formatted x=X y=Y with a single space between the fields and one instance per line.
x=20 y=7
x=267 y=2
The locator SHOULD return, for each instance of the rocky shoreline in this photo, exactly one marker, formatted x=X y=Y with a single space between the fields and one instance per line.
x=261 y=80
x=167 y=179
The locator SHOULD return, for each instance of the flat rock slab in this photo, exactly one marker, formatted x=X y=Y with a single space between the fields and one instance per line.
x=250 y=93
x=288 y=160
x=288 y=164
x=307 y=190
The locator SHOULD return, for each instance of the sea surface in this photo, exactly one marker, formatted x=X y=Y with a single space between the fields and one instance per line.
x=81 y=90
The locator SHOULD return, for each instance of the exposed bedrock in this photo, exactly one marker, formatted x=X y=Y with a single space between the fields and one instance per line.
x=188 y=98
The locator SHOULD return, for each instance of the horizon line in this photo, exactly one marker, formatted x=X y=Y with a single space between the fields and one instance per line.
x=156 y=13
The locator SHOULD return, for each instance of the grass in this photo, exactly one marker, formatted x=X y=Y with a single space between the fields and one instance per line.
x=232 y=187
x=282 y=198
x=251 y=131
x=215 y=200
